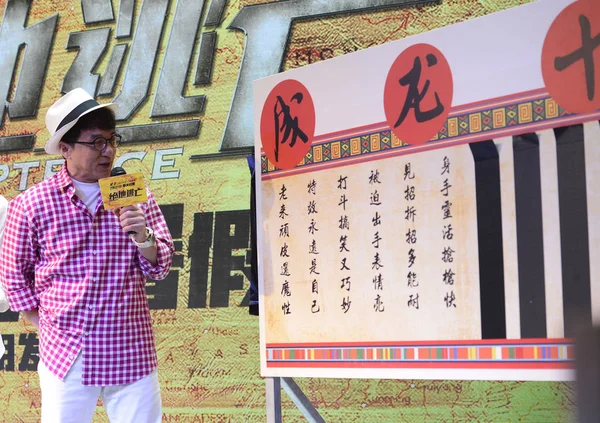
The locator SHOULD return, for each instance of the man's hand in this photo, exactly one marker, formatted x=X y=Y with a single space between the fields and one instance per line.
x=132 y=218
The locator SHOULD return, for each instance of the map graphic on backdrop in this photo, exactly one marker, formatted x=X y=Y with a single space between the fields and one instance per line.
x=469 y=256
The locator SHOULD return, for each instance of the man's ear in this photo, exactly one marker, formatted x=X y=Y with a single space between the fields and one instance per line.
x=65 y=150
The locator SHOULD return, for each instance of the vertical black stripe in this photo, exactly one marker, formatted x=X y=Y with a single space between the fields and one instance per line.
x=489 y=234
x=254 y=288
x=530 y=240
x=574 y=242
x=200 y=242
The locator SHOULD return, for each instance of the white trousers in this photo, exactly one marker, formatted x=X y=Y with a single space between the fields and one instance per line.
x=68 y=401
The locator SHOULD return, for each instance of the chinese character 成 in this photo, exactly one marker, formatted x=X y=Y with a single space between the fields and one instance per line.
x=284 y=122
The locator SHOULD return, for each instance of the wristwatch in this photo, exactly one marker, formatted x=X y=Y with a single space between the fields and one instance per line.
x=149 y=242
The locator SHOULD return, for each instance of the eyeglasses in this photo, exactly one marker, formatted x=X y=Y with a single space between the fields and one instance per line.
x=100 y=143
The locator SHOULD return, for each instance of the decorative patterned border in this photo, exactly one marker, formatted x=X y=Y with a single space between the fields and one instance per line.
x=502 y=355
x=488 y=118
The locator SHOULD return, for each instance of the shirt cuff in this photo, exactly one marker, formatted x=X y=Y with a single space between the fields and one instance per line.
x=23 y=299
x=163 y=262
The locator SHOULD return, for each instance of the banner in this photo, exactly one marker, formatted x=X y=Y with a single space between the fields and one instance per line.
x=409 y=225
x=182 y=73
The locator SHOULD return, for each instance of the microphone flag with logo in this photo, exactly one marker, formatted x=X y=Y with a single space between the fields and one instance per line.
x=122 y=189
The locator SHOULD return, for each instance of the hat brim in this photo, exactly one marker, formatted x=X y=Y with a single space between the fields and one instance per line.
x=52 y=144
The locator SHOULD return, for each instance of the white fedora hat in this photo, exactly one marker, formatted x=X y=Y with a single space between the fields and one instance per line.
x=65 y=113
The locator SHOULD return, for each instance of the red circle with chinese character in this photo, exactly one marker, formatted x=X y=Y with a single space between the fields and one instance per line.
x=418 y=94
x=287 y=124
x=571 y=57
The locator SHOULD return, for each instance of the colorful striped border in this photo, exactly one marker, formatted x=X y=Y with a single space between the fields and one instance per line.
x=515 y=354
x=505 y=116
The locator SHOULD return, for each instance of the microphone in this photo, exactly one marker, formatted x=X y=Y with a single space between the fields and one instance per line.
x=118 y=171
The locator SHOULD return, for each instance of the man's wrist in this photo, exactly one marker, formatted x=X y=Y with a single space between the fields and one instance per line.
x=140 y=238
x=149 y=240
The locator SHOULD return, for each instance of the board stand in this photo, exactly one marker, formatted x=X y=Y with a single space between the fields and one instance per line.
x=274 y=385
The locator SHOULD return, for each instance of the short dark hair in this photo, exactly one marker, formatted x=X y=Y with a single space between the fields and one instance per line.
x=103 y=118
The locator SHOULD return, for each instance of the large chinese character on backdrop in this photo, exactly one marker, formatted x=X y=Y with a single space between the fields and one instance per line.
x=431 y=209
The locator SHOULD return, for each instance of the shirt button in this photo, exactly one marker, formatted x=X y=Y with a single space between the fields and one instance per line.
x=71 y=358
x=86 y=333
x=90 y=306
x=94 y=252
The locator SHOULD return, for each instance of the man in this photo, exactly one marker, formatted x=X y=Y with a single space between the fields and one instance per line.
x=71 y=268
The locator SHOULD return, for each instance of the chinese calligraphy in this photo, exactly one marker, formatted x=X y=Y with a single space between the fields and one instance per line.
x=284 y=232
x=284 y=122
x=447 y=235
x=571 y=57
x=414 y=97
x=315 y=308
x=358 y=258
x=410 y=195
x=312 y=249
x=344 y=225
x=418 y=93
x=585 y=53
x=375 y=201
x=287 y=124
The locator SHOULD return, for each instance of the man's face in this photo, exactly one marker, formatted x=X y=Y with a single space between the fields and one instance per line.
x=84 y=162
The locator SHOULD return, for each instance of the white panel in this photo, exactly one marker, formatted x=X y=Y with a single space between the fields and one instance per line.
x=509 y=237
x=551 y=223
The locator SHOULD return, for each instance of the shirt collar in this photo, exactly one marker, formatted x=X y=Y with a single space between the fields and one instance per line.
x=63 y=180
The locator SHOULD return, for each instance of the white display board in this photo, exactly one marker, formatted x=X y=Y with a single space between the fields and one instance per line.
x=429 y=208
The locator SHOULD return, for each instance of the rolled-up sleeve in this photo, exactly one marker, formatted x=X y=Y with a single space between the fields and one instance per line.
x=17 y=258
x=164 y=243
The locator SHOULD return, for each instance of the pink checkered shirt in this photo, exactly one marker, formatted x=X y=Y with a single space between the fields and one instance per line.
x=89 y=281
